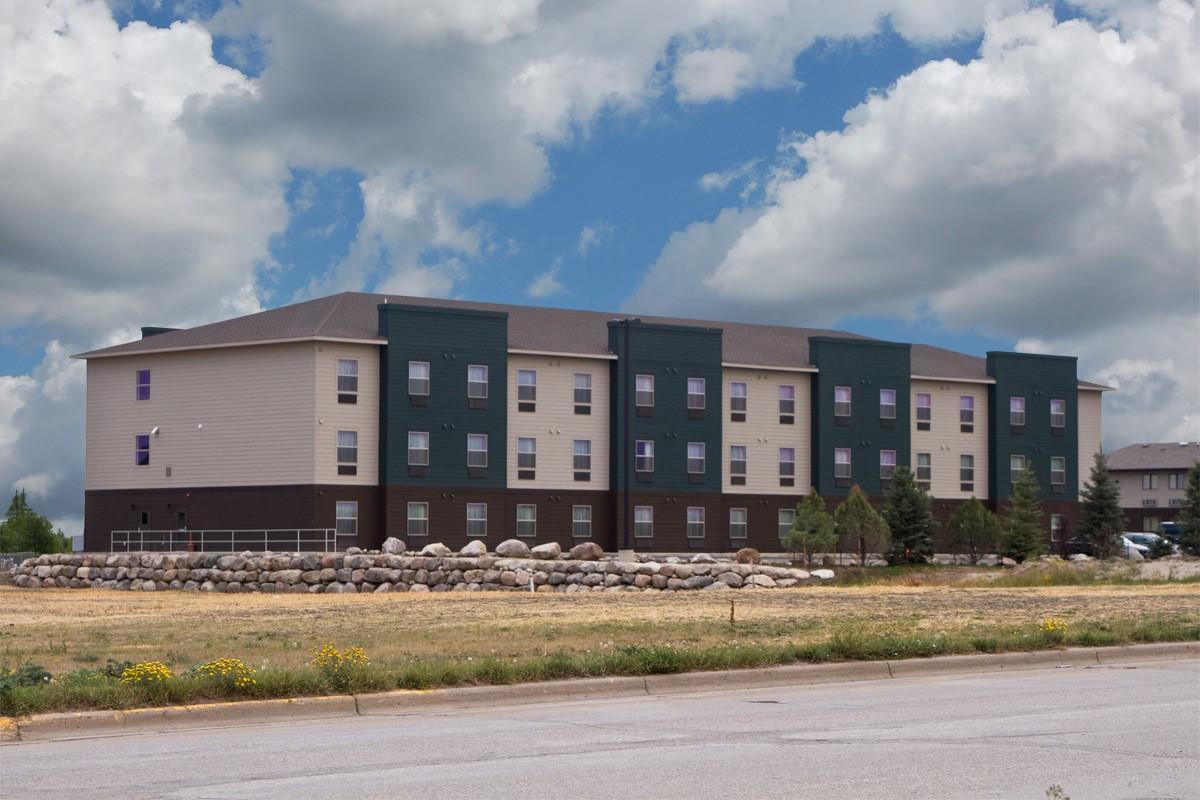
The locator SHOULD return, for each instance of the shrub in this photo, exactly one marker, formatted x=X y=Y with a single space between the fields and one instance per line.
x=1022 y=535
x=340 y=668
x=906 y=510
x=230 y=674
x=146 y=673
x=1054 y=629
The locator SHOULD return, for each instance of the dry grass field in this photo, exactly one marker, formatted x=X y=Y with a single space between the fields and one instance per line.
x=67 y=629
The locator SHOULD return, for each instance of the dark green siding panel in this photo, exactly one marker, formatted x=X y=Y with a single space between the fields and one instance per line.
x=672 y=354
x=866 y=367
x=450 y=340
x=1037 y=378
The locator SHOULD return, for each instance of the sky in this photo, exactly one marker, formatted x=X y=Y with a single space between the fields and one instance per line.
x=976 y=174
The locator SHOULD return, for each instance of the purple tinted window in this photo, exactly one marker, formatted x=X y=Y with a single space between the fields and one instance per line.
x=143 y=384
x=142 y=449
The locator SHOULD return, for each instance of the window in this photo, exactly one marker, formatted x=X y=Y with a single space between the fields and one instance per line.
x=695 y=522
x=418 y=378
x=581 y=522
x=477 y=450
x=1016 y=467
x=477 y=381
x=887 y=464
x=143 y=384
x=887 y=403
x=924 y=411
x=966 y=413
x=787 y=465
x=1058 y=470
x=1016 y=411
x=644 y=456
x=1149 y=481
x=418 y=449
x=141 y=450
x=345 y=518
x=841 y=463
x=347 y=452
x=737 y=523
x=476 y=520
x=418 y=519
x=841 y=401
x=644 y=394
x=787 y=404
x=737 y=401
x=924 y=470
x=526 y=390
x=1057 y=525
x=581 y=459
x=1058 y=413
x=347 y=380
x=695 y=458
x=1150 y=524
x=643 y=522
x=737 y=464
x=526 y=458
x=786 y=517
x=696 y=394
x=966 y=473
x=1177 y=480
x=583 y=392
x=526 y=521
x=1150 y=502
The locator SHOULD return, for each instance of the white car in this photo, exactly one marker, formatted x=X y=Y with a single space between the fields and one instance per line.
x=1150 y=540
x=1132 y=550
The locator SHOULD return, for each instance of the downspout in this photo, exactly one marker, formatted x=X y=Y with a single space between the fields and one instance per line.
x=628 y=512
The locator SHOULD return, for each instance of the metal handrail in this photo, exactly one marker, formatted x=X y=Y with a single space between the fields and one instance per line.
x=230 y=540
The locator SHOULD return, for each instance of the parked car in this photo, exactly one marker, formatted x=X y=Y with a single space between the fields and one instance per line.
x=1172 y=531
x=1153 y=543
x=1079 y=544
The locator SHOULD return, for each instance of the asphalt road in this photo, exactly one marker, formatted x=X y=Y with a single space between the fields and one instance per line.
x=1103 y=732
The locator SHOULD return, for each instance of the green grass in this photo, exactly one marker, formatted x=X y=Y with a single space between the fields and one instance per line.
x=1042 y=574
x=93 y=689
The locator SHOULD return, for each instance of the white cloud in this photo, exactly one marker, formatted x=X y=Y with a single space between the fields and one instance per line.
x=547 y=283
x=721 y=73
x=592 y=236
x=37 y=486
x=723 y=179
x=1045 y=190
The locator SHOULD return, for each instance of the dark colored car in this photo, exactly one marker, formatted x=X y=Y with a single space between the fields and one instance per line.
x=1172 y=531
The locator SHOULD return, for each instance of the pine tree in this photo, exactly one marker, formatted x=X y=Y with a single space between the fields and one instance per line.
x=1101 y=521
x=1022 y=534
x=26 y=531
x=974 y=528
x=861 y=525
x=1189 y=516
x=906 y=512
x=812 y=529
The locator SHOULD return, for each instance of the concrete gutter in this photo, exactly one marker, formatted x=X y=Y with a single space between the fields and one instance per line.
x=93 y=724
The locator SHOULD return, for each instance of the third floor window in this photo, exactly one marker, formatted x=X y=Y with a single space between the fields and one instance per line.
x=841 y=402
x=477 y=382
x=695 y=398
x=887 y=403
x=418 y=378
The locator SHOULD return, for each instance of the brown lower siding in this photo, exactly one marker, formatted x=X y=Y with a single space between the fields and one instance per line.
x=1135 y=518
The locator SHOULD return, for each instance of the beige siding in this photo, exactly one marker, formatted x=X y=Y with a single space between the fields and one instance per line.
x=945 y=441
x=228 y=417
x=555 y=424
x=1089 y=433
x=361 y=417
x=1134 y=496
x=762 y=434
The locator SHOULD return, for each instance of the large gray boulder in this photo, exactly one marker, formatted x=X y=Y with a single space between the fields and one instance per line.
x=436 y=549
x=474 y=549
x=392 y=546
x=587 y=551
x=703 y=558
x=512 y=548
x=823 y=574
x=546 y=552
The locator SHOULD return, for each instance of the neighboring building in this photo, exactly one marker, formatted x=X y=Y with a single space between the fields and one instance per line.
x=440 y=420
x=1152 y=477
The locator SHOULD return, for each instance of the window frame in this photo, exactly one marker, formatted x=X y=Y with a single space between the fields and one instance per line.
x=779 y=524
x=346 y=393
x=526 y=389
x=787 y=467
x=926 y=481
x=1016 y=418
x=966 y=416
x=887 y=471
x=528 y=456
x=790 y=409
x=643 y=398
x=639 y=523
x=139 y=449
x=338 y=517
x=347 y=461
x=738 y=403
x=743 y=525
x=843 y=409
x=474 y=383
x=424 y=449
x=1149 y=481
x=702 y=403
x=575 y=455
x=846 y=466
x=923 y=413
x=414 y=382
x=643 y=464
x=576 y=389
x=966 y=474
x=477 y=521
x=531 y=523
x=694 y=528
x=575 y=522
x=419 y=504
x=1058 y=526
x=1058 y=416
x=1061 y=472
x=471 y=450
x=139 y=385
x=1177 y=481
x=702 y=458
x=1015 y=474
x=744 y=460
x=884 y=406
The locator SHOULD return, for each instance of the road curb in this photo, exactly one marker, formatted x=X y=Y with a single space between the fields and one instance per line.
x=88 y=724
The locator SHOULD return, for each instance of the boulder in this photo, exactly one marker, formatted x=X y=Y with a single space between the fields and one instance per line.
x=718 y=586
x=703 y=558
x=512 y=548
x=731 y=579
x=474 y=549
x=587 y=551
x=747 y=555
x=391 y=545
x=436 y=549
x=1079 y=557
x=546 y=552
x=765 y=581
x=823 y=574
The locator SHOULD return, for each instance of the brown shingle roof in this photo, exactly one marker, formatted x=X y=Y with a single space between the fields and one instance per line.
x=353 y=315
x=1155 y=455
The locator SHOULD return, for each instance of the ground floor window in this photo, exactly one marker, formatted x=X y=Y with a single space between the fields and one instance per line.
x=695 y=522
x=1057 y=525
x=346 y=514
x=786 y=517
x=418 y=519
x=581 y=521
x=1150 y=524
x=737 y=523
x=476 y=520
x=527 y=521
x=643 y=522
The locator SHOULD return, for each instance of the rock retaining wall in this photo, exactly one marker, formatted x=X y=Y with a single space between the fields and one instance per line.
x=354 y=572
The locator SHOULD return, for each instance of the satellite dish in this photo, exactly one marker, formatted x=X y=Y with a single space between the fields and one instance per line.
x=154 y=431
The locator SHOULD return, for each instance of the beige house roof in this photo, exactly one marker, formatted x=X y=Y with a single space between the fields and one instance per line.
x=354 y=316
x=1155 y=455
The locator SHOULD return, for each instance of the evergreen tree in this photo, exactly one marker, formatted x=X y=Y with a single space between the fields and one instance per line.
x=812 y=529
x=1022 y=534
x=906 y=512
x=861 y=525
x=26 y=531
x=1101 y=521
x=975 y=529
x=1189 y=515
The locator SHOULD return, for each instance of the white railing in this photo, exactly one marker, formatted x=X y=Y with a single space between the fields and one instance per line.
x=325 y=540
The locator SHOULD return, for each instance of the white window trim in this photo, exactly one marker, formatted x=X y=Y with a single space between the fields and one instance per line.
x=338 y=447
x=848 y=463
x=1060 y=472
x=783 y=461
x=477 y=450
x=637 y=393
x=892 y=405
x=530 y=386
x=485 y=381
x=1012 y=472
x=928 y=478
x=702 y=394
x=848 y=403
x=883 y=466
x=484 y=520
x=1012 y=413
x=410 y=518
x=576 y=388
x=532 y=452
x=782 y=399
x=779 y=523
x=575 y=522
x=338 y=376
x=745 y=461
x=637 y=524
x=424 y=449
x=744 y=524
x=428 y=379
x=744 y=397
x=533 y=533
x=337 y=506
x=703 y=459
x=688 y=523
x=637 y=458
x=575 y=467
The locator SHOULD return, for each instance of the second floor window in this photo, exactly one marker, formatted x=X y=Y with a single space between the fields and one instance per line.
x=737 y=401
x=347 y=452
x=418 y=378
x=737 y=463
x=526 y=389
x=1016 y=412
x=141 y=450
x=581 y=459
x=347 y=380
x=695 y=458
x=1177 y=480
x=644 y=456
x=477 y=450
x=644 y=395
x=696 y=390
x=477 y=381
x=1058 y=470
x=787 y=403
x=966 y=472
x=966 y=413
x=583 y=392
x=787 y=462
x=924 y=470
x=1149 y=481
x=418 y=449
x=526 y=454
x=924 y=411
x=1058 y=414
x=1016 y=467
x=887 y=403
x=887 y=464
x=841 y=463
x=143 y=384
x=841 y=402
